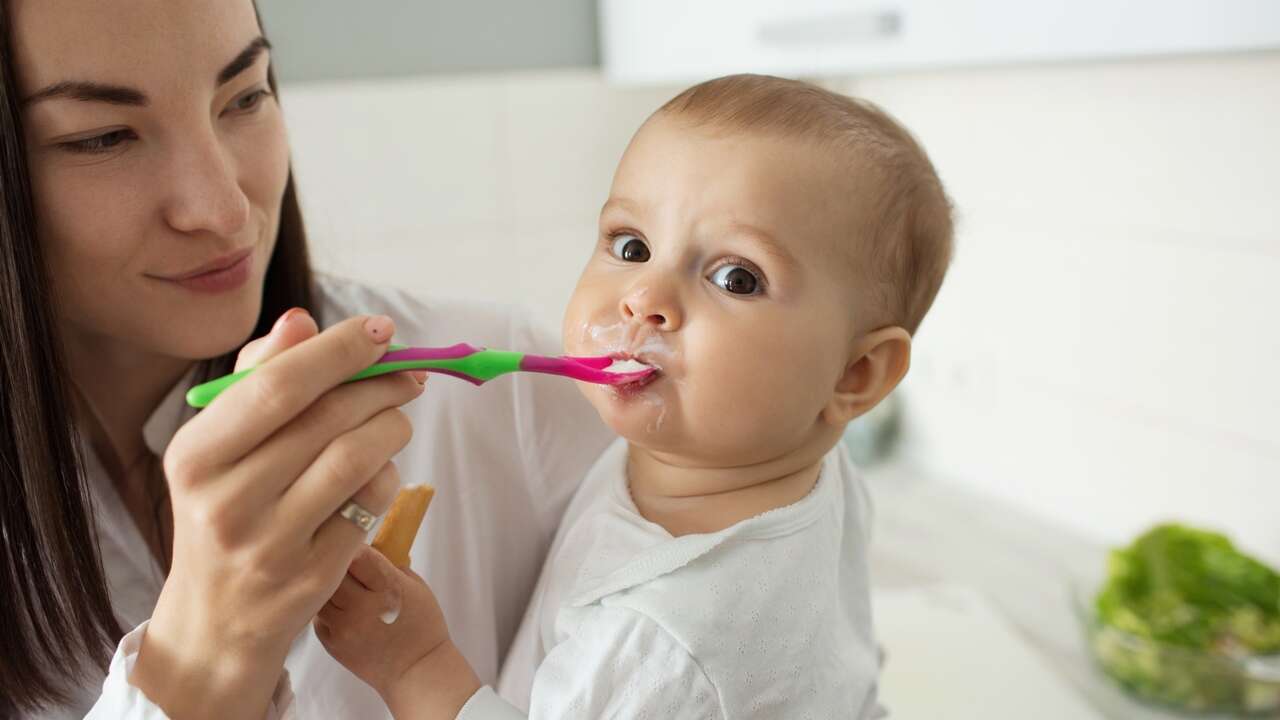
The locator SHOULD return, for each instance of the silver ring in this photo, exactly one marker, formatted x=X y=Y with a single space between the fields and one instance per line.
x=358 y=516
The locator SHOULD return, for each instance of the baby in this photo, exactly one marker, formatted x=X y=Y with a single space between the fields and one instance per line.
x=770 y=248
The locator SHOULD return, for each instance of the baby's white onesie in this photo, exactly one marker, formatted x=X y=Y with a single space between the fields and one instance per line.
x=769 y=618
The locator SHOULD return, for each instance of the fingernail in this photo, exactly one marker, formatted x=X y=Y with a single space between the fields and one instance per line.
x=419 y=375
x=289 y=314
x=379 y=328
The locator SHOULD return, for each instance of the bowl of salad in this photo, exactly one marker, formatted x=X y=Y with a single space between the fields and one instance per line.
x=1183 y=619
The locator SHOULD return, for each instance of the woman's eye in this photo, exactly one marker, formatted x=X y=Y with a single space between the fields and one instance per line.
x=736 y=279
x=246 y=103
x=629 y=248
x=99 y=143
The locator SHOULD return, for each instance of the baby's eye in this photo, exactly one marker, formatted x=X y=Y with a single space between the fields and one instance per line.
x=736 y=279
x=629 y=248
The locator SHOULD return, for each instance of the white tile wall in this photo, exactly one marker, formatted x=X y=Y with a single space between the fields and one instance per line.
x=1105 y=352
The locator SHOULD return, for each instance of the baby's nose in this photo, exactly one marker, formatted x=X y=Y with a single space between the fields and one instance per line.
x=645 y=307
x=632 y=311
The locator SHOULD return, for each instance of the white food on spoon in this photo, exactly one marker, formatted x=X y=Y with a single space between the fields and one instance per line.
x=627 y=366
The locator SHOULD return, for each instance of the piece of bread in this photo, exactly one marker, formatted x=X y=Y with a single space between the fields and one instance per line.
x=400 y=526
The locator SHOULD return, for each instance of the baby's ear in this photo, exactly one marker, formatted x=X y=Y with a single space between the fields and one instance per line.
x=877 y=364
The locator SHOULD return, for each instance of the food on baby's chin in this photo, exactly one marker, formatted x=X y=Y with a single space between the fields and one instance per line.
x=627 y=366
x=1181 y=613
x=401 y=524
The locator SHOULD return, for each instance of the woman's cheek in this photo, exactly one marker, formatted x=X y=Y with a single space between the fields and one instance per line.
x=89 y=238
x=263 y=156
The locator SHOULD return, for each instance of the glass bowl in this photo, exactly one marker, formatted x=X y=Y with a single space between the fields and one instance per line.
x=1191 y=681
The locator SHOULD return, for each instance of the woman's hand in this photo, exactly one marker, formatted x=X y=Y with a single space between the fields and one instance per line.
x=385 y=626
x=256 y=480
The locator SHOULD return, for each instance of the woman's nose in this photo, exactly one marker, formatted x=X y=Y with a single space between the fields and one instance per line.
x=651 y=305
x=205 y=194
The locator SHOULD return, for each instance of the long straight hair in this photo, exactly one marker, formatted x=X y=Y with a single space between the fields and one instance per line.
x=56 y=619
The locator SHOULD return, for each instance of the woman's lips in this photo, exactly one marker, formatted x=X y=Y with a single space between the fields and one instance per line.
x=220 y=275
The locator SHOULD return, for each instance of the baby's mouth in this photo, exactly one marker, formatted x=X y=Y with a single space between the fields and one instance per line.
x=628 y=363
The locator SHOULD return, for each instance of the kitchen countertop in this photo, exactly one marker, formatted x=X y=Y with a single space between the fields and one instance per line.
x=929 y=533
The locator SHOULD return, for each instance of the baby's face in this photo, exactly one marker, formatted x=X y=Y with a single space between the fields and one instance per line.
x=722 y=260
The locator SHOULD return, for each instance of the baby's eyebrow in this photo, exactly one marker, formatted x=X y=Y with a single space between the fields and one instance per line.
x=620 y=203
x=766 y=241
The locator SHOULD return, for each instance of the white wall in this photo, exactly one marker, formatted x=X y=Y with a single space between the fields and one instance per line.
x=1105 y=351
x=478 y=186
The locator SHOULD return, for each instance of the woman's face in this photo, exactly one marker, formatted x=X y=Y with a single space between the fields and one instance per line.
x=158 y=161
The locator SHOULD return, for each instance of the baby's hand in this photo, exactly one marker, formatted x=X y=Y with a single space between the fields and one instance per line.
x=381 y=621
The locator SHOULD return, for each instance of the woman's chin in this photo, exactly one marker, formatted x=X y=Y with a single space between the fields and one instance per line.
x=203 y=338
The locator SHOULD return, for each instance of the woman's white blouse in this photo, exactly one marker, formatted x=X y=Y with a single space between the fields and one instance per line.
x=505 y=458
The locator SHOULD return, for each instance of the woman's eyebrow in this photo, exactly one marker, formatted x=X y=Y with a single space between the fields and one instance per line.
x=122 y=95
x=89 y=92
x=242 y=61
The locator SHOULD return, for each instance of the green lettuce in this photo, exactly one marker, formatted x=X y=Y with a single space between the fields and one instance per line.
x=1179 y=609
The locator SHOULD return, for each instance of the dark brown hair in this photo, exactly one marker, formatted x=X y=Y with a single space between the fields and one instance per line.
x=56 y=619
x=909 y=233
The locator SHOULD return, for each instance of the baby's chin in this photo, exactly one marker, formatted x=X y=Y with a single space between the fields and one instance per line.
x=642 y=417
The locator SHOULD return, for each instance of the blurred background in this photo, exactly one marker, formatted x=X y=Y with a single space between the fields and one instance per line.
x=1104 y=355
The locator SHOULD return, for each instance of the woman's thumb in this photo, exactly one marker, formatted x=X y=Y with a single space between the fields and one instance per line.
x=292 y=328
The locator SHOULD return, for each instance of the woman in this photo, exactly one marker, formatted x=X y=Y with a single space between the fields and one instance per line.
x=149 y=227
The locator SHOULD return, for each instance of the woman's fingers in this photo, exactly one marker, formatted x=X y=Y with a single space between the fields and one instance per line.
x=284 y=456
x=332 y=548
x=338 y=537
x=355 y=466
x=292 y=328
x=253 y=409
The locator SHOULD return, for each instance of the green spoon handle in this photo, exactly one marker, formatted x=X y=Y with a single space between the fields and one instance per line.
x=476 y=366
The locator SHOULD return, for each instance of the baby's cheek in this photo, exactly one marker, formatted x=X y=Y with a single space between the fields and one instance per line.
x=774 y=384
x=576 y=334
x=569 y=331
x=733 y=391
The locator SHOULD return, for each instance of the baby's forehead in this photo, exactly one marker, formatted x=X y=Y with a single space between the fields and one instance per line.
x=811 y=196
